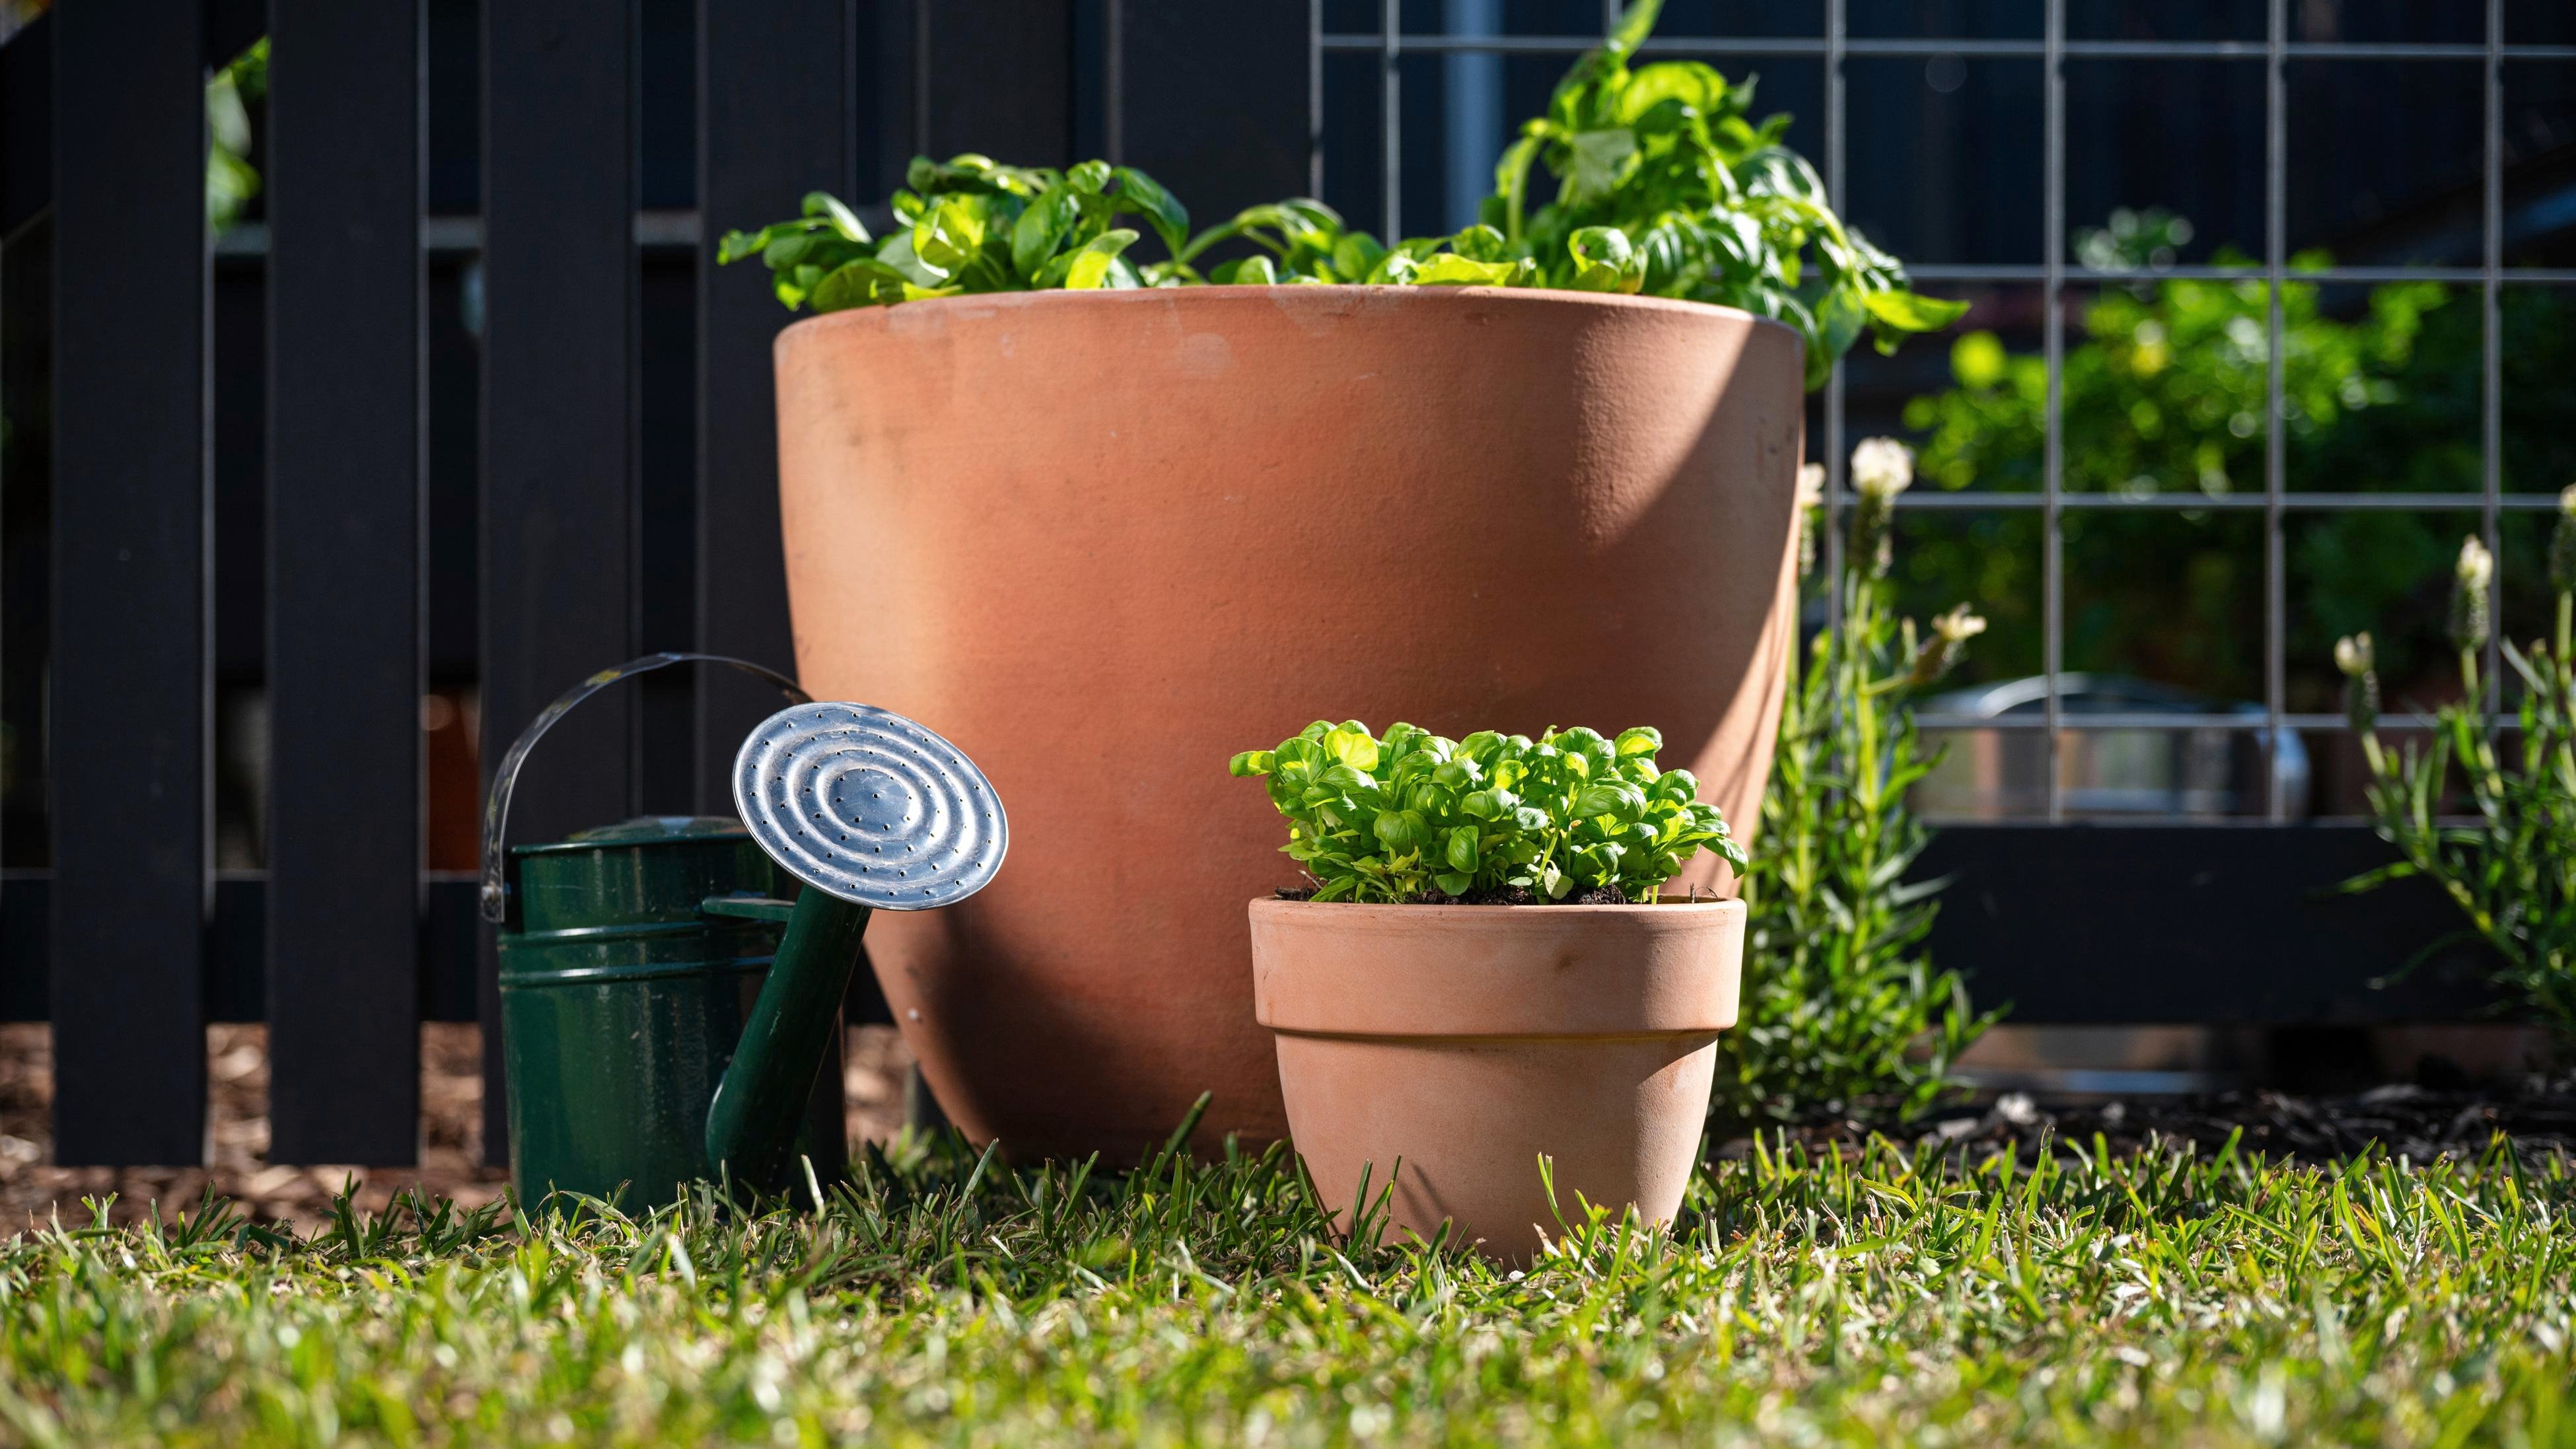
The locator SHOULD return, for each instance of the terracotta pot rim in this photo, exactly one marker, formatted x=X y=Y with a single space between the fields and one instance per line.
x=1414 y=910
x=1572 y=973
x=1232 y=295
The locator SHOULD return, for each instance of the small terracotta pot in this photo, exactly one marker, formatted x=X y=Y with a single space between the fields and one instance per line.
x=1469 y=1040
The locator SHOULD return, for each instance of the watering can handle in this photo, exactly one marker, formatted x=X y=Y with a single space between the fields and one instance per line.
x=496 y=810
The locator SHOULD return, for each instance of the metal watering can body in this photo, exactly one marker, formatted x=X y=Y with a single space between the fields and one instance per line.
x=623 y=1002
x=670 y=997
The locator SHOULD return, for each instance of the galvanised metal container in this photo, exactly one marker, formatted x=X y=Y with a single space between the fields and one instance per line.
x=625 y=984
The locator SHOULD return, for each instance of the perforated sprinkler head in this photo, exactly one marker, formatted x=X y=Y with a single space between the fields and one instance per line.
x=865 y=805
x=873 y=813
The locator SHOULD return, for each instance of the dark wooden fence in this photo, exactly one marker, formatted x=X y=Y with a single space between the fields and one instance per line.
x=129 y=941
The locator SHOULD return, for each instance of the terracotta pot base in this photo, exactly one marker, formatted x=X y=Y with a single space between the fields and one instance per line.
x=1626 y=1119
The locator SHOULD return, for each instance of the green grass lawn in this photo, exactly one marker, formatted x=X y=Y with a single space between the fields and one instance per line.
x=2159 y=1297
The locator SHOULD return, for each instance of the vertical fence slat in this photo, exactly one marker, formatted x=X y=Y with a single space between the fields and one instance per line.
x=344 y=653
x=559 y=424
x=129 y=724
x=26 y=124
x=774 y=99
x=1000 y=81
x=1212 y=99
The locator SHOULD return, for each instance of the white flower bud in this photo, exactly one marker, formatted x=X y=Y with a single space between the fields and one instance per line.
x=1959 y=626
x=1940 y=655
x=1882 y=467
x=2356 y=659
x=2471 y=615
x=2477 y=566
x=1811 y=495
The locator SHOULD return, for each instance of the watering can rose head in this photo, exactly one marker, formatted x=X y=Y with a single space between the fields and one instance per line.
x=1411 y=816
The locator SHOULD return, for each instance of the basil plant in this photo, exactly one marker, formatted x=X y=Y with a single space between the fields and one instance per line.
x=1664 y=188
x=969 y=225
x=1411 y=816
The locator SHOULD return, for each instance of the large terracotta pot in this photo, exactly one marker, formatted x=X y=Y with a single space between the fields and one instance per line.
x=1103 y=540
x=1442 y=1050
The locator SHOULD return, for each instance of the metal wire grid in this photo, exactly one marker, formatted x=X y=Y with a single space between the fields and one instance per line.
x=1390 y=42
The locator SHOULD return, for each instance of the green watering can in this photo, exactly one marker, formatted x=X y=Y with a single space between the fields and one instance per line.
x=666 y=1010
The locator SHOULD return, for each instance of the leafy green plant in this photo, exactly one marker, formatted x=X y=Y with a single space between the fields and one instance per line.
x=1661 y=173
x=1664 y=187
x=1841 y=1008
x=969 y=225
x=1415 y=817
x=2511 y=868
x=231 y=181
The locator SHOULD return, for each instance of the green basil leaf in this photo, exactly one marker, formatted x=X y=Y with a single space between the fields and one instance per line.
x=1461 y=849
x=1402 y=830
x=1606 y=261
x=1911 y=311
x=1598 y=161
x=1351 y=744
x=1042 y=229
x=1089 y=268
x=1692 y=83
x=831 y=208
x=1635 y=24
x=1357 y=256
x=1252 y=271
x=896 y=251
x=1141 y=193
x=862 y=283
x=1452 y=270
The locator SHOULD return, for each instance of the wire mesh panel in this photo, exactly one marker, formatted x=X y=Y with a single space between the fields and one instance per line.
x=2253 y=72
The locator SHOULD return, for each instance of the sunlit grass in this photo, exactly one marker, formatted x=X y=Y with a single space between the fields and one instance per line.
x=946 y=1297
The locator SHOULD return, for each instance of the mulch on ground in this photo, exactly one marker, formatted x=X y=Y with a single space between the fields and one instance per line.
x=2400 y=1120
x=2414 y=1122
x=236 y=1166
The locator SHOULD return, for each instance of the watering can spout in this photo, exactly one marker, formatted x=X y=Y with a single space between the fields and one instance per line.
x=871 y=812
x=758 y=1106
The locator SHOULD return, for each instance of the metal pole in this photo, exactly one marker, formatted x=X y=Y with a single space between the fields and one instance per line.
x=1391 y=100
x=1113 y=46
x=2053 y=461
x=1314 y=96
x=2276 y=148
x=1837 y=21
x=2491 y=409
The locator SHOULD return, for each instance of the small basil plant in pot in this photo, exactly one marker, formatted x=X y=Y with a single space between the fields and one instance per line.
x=1484 y=1004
